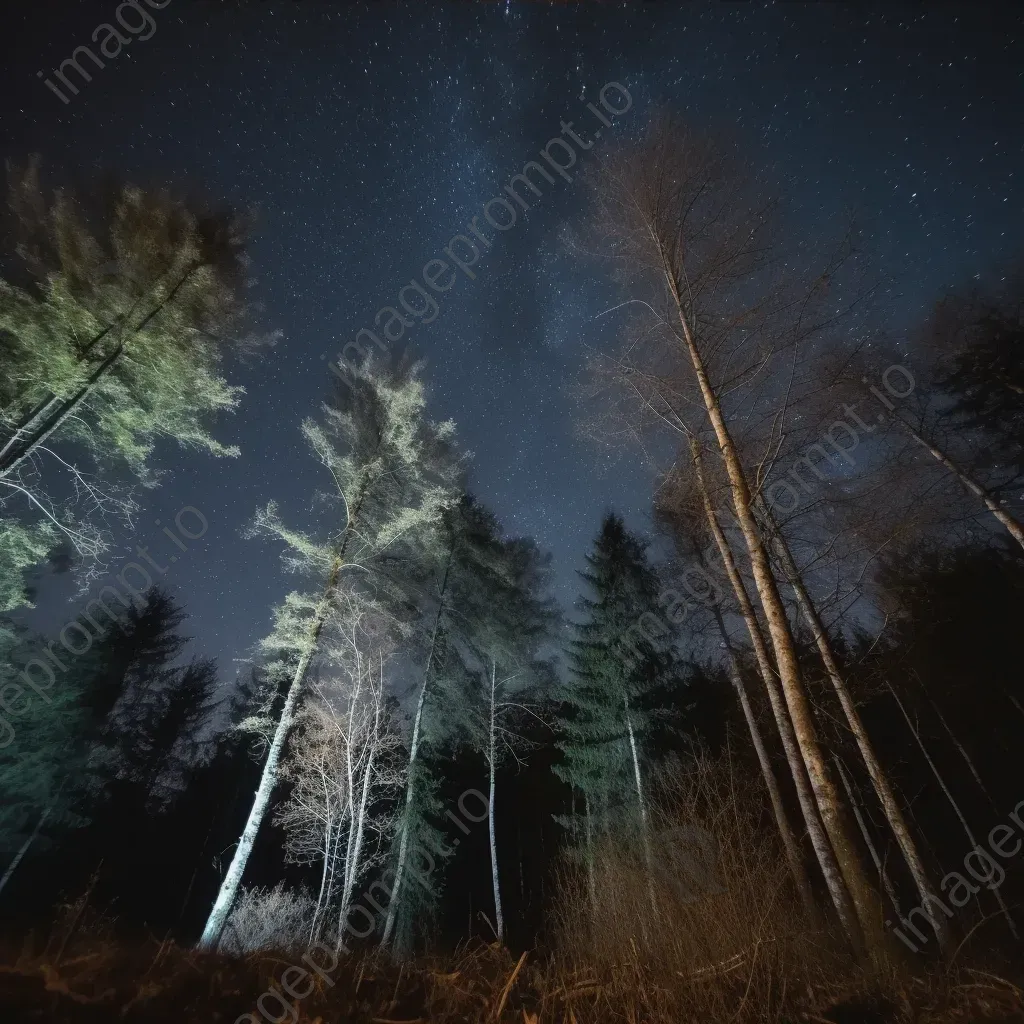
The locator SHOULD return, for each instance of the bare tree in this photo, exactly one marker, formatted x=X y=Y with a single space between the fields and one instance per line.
x=694 y=249
x=343 y=757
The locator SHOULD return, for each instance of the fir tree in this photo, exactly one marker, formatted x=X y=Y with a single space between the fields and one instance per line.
x=607 y=707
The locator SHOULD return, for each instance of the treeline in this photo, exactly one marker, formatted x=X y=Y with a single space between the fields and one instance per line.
x=818 y=637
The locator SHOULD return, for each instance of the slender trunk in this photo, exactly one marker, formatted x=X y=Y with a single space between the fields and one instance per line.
x=868 y=841
x=268 y=779
x=1016 y=530
x=879 y=779
x=642 y=804
x=348 y=881
x=826 y=857
x=328 y=834
x=357 y=849
x=403 y=845
x=952 y=801
x=335 y=843
x=12 y=867
x=491 y=760
x=591 y=881
x=865 y=900
x=789 y=843
x=963 y=753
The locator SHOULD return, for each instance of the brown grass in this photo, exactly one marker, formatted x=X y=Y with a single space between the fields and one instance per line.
x=728 y=948
x=164 y=983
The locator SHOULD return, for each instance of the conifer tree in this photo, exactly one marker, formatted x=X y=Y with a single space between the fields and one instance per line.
x=484 y=610
x=606 y=711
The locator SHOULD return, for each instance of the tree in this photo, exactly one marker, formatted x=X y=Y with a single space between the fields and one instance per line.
x=984 y=338
x=343 y=760
x=394 y=472
x=606 y=716
x=506 y=618
x=111 y=337
x=685 y=231
x=684 y=523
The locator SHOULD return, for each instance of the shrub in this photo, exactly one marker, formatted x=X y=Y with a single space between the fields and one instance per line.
x=262 y=919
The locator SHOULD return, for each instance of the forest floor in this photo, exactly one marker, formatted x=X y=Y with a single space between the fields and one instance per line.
x=157 y=983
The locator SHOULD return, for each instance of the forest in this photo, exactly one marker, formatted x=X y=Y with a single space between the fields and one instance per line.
x=763 y=766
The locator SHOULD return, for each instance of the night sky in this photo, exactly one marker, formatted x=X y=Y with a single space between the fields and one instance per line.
x=368 y=136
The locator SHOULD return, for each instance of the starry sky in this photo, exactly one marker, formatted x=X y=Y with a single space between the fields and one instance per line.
x=368 y=135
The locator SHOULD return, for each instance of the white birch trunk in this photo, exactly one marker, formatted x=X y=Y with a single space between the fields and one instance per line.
x=492 y=759
x=268 y=779
x=642 y=804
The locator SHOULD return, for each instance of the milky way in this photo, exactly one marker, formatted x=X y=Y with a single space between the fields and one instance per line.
x=368 y=137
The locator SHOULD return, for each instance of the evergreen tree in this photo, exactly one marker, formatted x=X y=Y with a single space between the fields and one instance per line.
x=607 y=699
x=483 y=609
x=987 y=381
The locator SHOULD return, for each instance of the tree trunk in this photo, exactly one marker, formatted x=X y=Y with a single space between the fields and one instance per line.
x=1015 y=529
x=879 y=779
x=357 y=848
x=868 y=841
x=952 y=801
x=789 y=843
x=642 y=804
x=491 y=759
x=414 y=742
x=591 y=881
x=268 y=779
x=328 y=840
x=865 y=899
x=826 y=857
x=12 y=867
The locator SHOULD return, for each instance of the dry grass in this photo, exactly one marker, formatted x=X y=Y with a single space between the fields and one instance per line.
x=728 y=947
x=163 y=983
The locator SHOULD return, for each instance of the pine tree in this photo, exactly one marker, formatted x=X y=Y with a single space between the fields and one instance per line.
x=607 y=713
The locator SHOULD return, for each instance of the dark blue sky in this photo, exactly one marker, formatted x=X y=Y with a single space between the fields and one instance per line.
x=368 y=136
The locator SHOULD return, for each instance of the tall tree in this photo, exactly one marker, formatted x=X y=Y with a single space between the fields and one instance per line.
x=111 y=337
x=692 y=239
x=606 y=713
x=393 y=473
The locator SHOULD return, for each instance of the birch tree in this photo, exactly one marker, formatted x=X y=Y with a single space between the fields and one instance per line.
x=344 y=758
x=692 y=243
x=393 y=473
x=876 y=772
